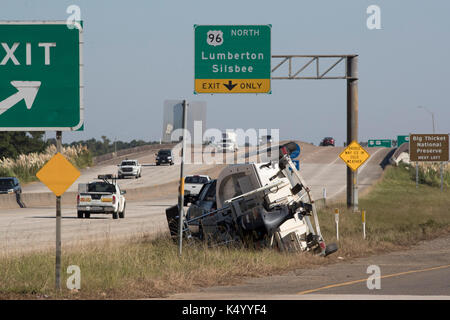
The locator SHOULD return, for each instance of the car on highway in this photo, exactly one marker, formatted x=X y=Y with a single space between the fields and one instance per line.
x=102 y=196
x=129 y=168
x=192 y=186
x=164 y=156
x=10 y=185
x=327 y=141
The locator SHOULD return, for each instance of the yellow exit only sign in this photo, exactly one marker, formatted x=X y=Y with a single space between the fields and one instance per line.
x=354 y=155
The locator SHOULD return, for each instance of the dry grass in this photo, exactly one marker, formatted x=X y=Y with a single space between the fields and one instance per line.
x=398 y=215
x=26 y=165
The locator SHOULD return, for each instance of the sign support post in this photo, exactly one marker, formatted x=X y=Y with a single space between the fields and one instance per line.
x=181 y=192
x=58 y=222
x=417 y=174
x=352 y=127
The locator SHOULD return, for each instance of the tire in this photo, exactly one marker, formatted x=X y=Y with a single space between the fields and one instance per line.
x=115 y=216
x=80 y=214
x=87 y=215
x=331 y=248
x=122 y=214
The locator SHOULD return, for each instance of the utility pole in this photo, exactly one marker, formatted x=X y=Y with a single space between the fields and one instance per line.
x=181 y=191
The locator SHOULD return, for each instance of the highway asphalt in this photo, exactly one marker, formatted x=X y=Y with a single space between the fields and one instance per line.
x=419 y=273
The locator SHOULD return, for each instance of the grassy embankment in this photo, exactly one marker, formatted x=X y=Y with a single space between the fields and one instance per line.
x=25 y=167
x=398 y=215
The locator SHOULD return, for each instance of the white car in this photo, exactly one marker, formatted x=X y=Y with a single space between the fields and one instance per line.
x=103 y=196
x=192 y=186
x=129 y=168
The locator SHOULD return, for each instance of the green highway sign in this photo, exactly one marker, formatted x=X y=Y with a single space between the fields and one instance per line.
x=40 y=76
x=232 y=58
x=401 y=140
x=386 y=143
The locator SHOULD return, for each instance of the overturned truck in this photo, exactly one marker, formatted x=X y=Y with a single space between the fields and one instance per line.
x=257 y=205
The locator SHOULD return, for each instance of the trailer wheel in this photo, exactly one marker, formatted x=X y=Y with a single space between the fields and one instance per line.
x=80 y=214
x=87 y=215
x=114 y=215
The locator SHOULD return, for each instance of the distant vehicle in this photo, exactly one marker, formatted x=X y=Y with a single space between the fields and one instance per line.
x=129 y=168
x=192 y=186
x=10 y=185
x=265 y=139
x=164 y=156
x=328 y=141
x=103 y=196
x=227 y=143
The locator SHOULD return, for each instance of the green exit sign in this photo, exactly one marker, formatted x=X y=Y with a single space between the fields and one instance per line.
x=232 y=58
x=386 y=143
x=401 y=140
x=40 y=76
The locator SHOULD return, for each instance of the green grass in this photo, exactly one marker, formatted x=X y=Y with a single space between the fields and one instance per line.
x=397 y=215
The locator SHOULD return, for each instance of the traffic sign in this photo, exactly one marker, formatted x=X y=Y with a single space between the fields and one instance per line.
x=58 y=174
x=354 y=155
x=386 y=143
x=429 y=147
x=232 y=58
x=401 y=140
x=40 y=76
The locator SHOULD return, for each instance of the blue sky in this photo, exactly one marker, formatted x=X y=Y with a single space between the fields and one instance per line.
x=140 y=53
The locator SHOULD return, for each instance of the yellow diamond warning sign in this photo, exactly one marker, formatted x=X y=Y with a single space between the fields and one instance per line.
x=232 y=85
x=354 y=155
x=58 y=174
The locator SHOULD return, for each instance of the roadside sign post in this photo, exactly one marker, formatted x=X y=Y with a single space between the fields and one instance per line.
x=58 y=174
x=354 y=156
x=336 y=220
x=363 y=217
x=232 y=58
x=181 y=192
x=58 y=222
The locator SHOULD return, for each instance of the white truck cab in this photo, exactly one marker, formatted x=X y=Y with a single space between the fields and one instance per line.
x=129 y=168
x=101 y=197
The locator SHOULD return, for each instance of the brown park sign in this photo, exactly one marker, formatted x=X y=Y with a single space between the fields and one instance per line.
x=428 y=147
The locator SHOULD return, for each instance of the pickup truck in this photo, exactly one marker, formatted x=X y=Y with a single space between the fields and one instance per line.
x=129 y=168
x=192 y=186
x=103 y=196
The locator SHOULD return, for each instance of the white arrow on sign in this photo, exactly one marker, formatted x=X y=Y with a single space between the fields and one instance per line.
x=26 y=90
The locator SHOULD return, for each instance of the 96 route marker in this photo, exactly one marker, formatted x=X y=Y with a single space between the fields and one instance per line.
x=232 y=59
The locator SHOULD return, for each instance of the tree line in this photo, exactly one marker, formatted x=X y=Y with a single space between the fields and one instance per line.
x=14 y=143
